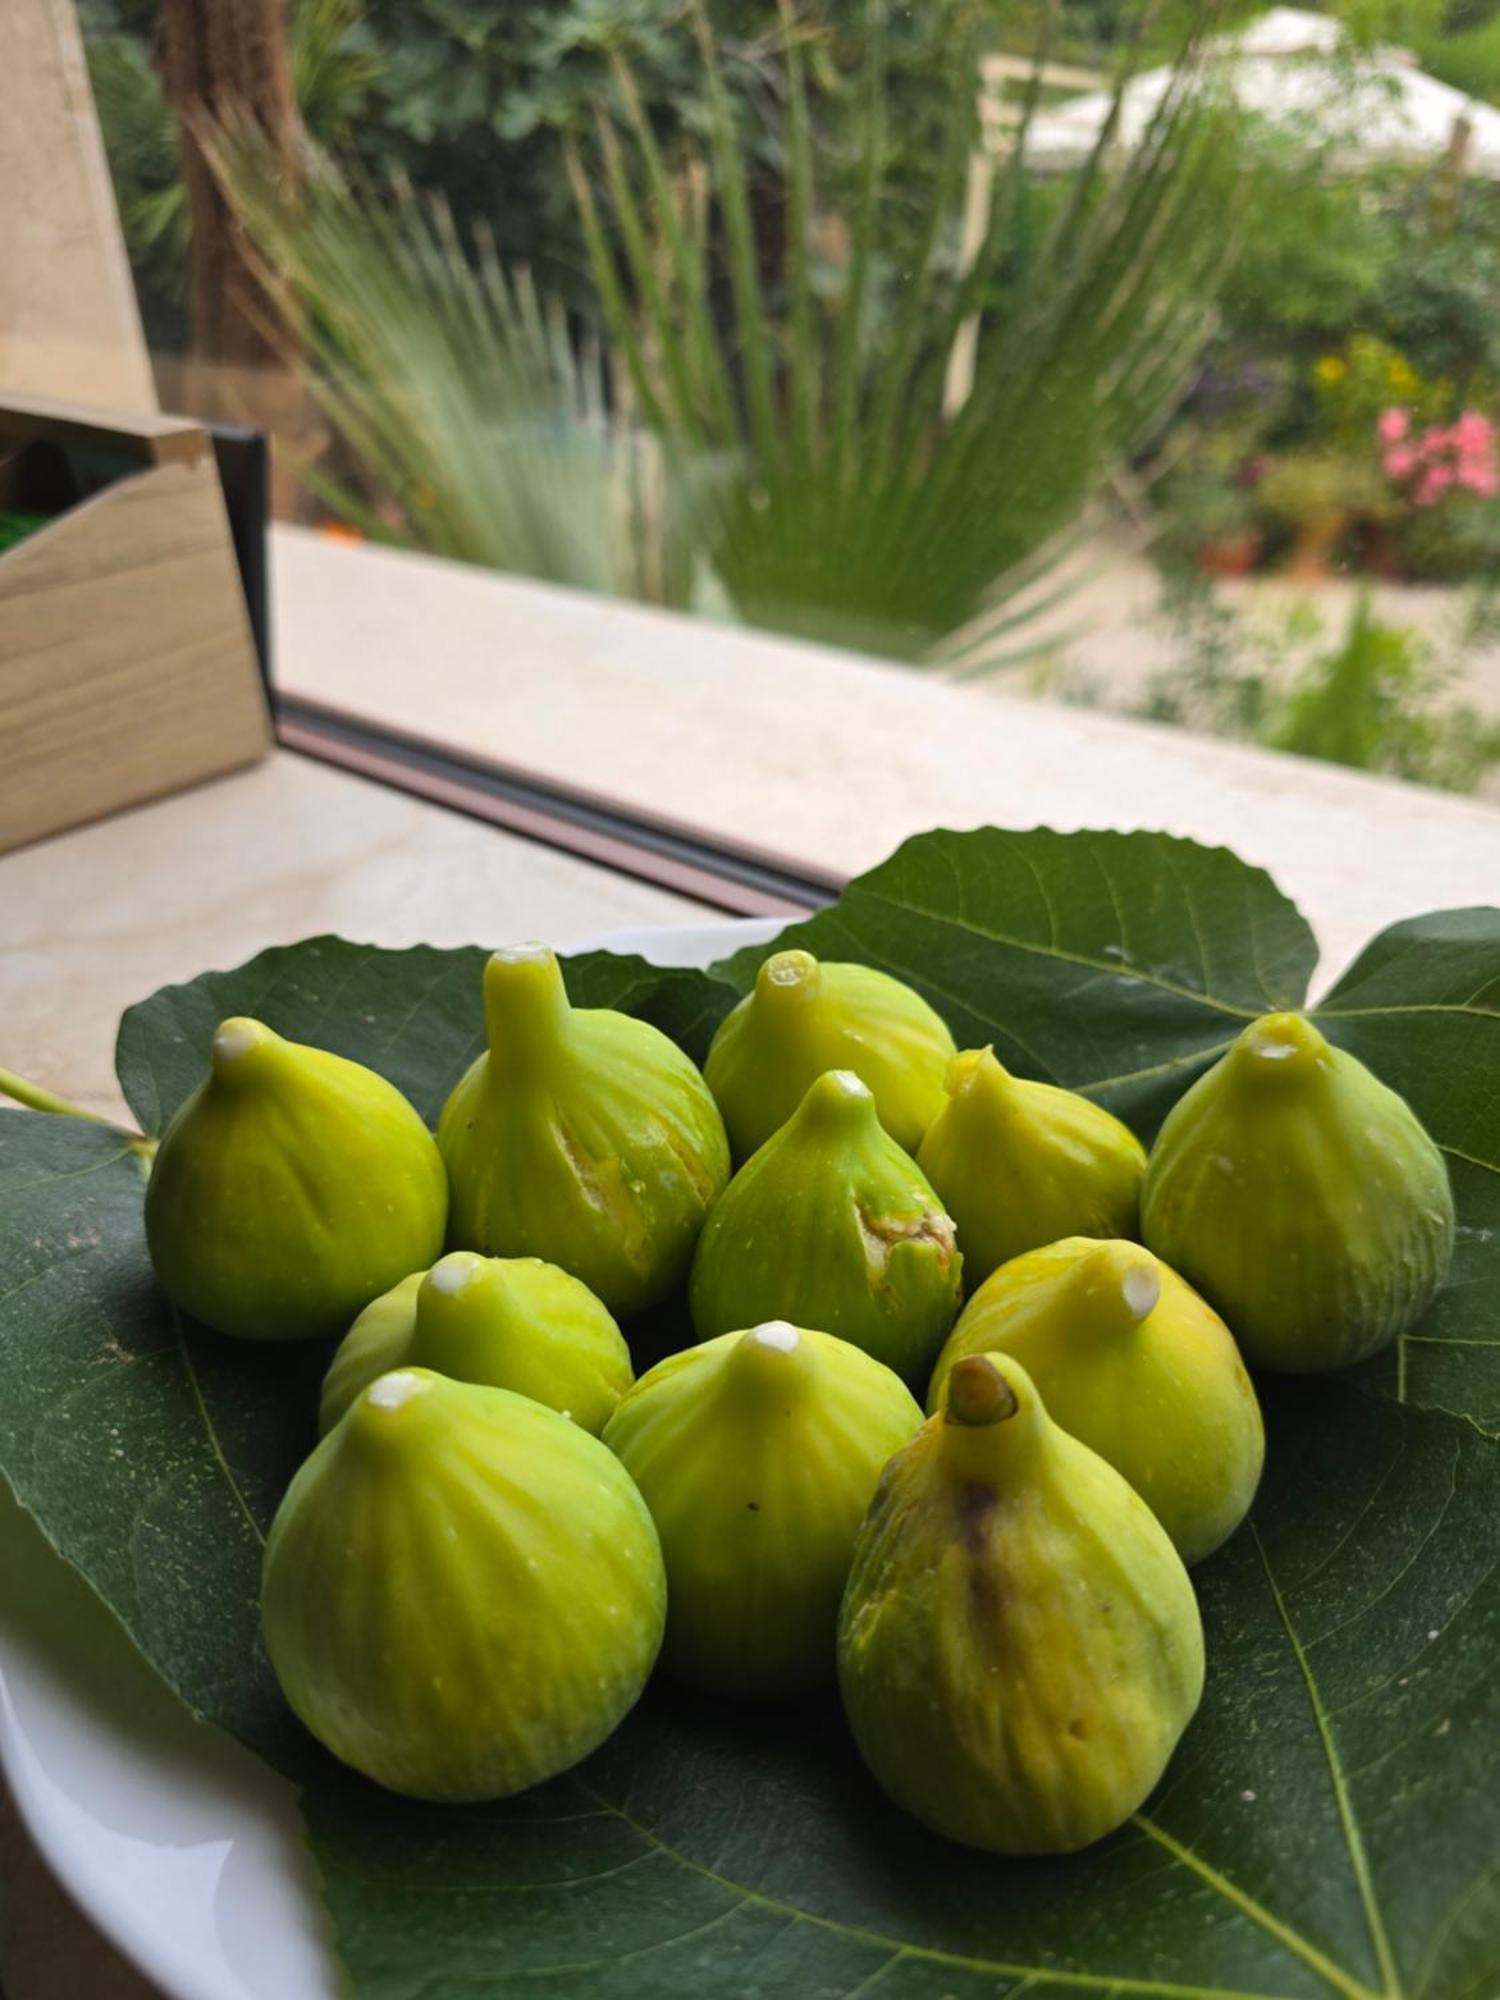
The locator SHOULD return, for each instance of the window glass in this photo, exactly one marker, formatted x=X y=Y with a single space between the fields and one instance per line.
x=1140 y=359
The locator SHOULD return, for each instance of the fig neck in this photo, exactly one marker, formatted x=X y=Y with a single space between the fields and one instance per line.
x=787 y=986
x=397 y=1411
x=981 y=1090
x=1279 y=1052
x=992 y=1422
x=1116 y=1286
x=460 y=1307
x=837 y=1106
x=772 y=1364
x=244 y=1052
x=526 y=1007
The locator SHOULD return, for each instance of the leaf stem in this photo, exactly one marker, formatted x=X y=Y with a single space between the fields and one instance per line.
x=35 y=1098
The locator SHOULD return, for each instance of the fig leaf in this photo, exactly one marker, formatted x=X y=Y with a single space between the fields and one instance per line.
x=1330 y=1823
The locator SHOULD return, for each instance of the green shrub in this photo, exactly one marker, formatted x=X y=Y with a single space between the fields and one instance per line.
x=1379 y=699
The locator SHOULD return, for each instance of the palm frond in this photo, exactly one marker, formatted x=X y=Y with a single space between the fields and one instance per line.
x=853 y=506
x=480 y=428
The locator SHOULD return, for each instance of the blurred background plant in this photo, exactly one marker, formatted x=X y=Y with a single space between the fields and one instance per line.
x=592 y=294
x=780 y=346
x=472 y=422
x=1378 y=695
x=466 y=100
x=335 y=67
x=1353 y=296
x=875 y=499
x=1390 y=267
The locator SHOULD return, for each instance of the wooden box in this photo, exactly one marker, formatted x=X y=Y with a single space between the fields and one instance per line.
x=127 y=666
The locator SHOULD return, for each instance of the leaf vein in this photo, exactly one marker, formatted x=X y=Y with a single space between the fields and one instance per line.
x=1293 y=1940
x=1152 y=1069
x=1032 y=950
x=1353 y=1838
x=932 y=1954
x=209 y=1430
x=1409 y=1007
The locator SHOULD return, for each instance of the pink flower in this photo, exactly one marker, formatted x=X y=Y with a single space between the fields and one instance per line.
x=1399 y=461
x=1393 y=426
x=1473 y=433
x=1433 y=484
x=1481 y=479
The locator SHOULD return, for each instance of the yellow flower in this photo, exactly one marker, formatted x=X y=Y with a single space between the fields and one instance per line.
x=1331 y=368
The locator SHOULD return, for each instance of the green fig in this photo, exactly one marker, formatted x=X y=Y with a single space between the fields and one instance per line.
x=831 y=1225
x=582 y=1136
x=508 y=1322
x=1019 y=1164
x=1132 y=1363
x=1302 y=1197
x=292 y=1188
x=1019 y=1645
x=804 y=1017
x=757 y=1454
x=463 y=1592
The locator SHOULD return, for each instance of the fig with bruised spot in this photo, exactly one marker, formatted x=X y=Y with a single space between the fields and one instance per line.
x=1134 y=1364
x=1019 y=1645
x=831 y=1225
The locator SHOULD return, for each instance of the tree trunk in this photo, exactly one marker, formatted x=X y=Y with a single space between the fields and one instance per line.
x=227 y=59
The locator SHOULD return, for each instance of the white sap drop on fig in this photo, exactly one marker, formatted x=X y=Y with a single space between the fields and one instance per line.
x=1276 y=1051
x=392 y=1391
x=235 y=1039
x=1142 y=1289
x=451 y=1274
x=777 y=1333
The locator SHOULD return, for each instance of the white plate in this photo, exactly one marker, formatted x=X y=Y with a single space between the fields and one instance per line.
x=184 y=1849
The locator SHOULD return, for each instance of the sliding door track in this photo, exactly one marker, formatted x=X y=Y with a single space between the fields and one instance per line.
x=690 y=863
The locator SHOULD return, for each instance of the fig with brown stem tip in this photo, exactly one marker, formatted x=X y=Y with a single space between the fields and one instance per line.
x=757 y=1454
x=1019 y=1164
x=1019 y=1645
x=583 y=1137
x=1131 y=1362
x=804 y=1017
x=831 y=1225
x=508 y=1322
x=463 y=1593
x=1302 y=1197
x=291 y=1188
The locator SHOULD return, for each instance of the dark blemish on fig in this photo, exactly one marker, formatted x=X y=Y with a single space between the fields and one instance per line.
x=976 y=1503
x=1077 y=1727
x=753 y=1505
x=984 y=1599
